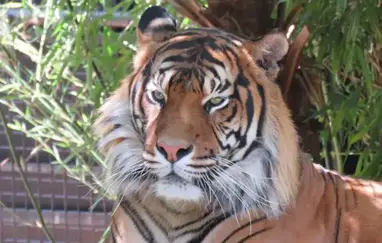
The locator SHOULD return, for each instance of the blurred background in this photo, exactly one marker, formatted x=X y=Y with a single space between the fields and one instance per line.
x=60 y=60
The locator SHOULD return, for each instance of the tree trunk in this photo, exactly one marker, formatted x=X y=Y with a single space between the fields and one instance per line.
x=247 y=18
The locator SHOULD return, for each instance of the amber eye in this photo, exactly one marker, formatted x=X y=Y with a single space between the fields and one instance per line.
x=158 y=96
x=216 y=101
x=215 y=104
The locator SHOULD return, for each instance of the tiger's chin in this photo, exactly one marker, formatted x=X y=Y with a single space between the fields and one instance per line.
x=174 y=188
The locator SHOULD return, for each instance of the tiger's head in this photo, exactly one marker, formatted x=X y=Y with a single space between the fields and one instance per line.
x=201 y=120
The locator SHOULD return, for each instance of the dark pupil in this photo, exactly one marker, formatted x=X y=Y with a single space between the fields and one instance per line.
x=158 y=95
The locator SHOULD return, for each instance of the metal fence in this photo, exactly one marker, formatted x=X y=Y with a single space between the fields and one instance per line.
x=64 y=201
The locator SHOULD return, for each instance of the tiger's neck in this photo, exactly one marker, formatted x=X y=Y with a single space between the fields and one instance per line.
x=152 y=218
x=145 y=217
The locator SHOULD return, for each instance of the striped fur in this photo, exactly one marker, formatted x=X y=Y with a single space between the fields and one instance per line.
x=242 y=177
x=329 y=209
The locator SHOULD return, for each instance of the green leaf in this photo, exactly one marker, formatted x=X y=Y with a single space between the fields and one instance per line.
x=359 y=135
x=341 y=6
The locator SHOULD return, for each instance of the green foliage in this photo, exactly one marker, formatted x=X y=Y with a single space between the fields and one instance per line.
x=346 y=39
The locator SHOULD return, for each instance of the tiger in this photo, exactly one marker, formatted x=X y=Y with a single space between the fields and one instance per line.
x=200 y=146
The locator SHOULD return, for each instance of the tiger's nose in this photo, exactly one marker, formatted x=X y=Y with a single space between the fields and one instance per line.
x=174 y=153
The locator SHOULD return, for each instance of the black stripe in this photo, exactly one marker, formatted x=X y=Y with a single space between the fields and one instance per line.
x=140 y=103
x=147 y=69
x=242 y=227
x=232 y=52
x=234 y=112
x=338 y=223
x=134 y=93
x=260 y=124
x=323 y=174
x=206 y=229
x=161 y=79
x=242 y=80
x=163 y=70
x=178 y=58
x=193 y=45
x=181 y=45
x=224 y=87
x=171 y=81
x=211 y=69
x=205 y=55
x=192 y=222
x=138 y=222
x=255 y=144
x=250 y=113
x=213 y=85
x=224 y=49
x=219 y=142
x=133 y=100
x=160 y=223
x=201 y=80
x=355 y=196
x=112 y=234
x=218 y=86
x=253 y=235
x=331 y=177
x=199 y=75
x=339 y=211
x=249 y=106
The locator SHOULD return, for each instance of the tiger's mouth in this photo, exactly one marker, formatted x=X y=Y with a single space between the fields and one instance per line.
x=212 y=181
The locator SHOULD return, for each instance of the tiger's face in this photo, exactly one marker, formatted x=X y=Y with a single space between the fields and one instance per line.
x=192 y=122
x=195 y=114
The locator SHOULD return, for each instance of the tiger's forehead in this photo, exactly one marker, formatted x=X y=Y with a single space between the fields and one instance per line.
x=205 y=62
x=200 y=80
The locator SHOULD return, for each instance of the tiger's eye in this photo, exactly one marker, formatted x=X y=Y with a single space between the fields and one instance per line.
x=158 y=96
x=216 y=100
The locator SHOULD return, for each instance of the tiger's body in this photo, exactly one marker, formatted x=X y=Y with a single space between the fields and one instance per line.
x=328 y=209
x=200 y=147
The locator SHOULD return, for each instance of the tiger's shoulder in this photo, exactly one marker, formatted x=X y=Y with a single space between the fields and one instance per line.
x=329 y=207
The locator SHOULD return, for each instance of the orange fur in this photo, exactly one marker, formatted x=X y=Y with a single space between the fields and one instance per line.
x=328 y=208
x=315 y=205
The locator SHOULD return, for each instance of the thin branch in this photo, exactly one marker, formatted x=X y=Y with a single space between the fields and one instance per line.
x=15 y=216
x=39 y=71
x=24 y=179
x=336 y=146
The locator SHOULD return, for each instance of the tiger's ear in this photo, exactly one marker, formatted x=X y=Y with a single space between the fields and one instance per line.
x=269 y=50
x=155 y=26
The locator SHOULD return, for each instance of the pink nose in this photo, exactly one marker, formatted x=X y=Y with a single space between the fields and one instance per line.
x=173 y=152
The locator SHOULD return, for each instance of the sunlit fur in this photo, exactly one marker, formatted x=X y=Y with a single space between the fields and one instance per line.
x=264 y=180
